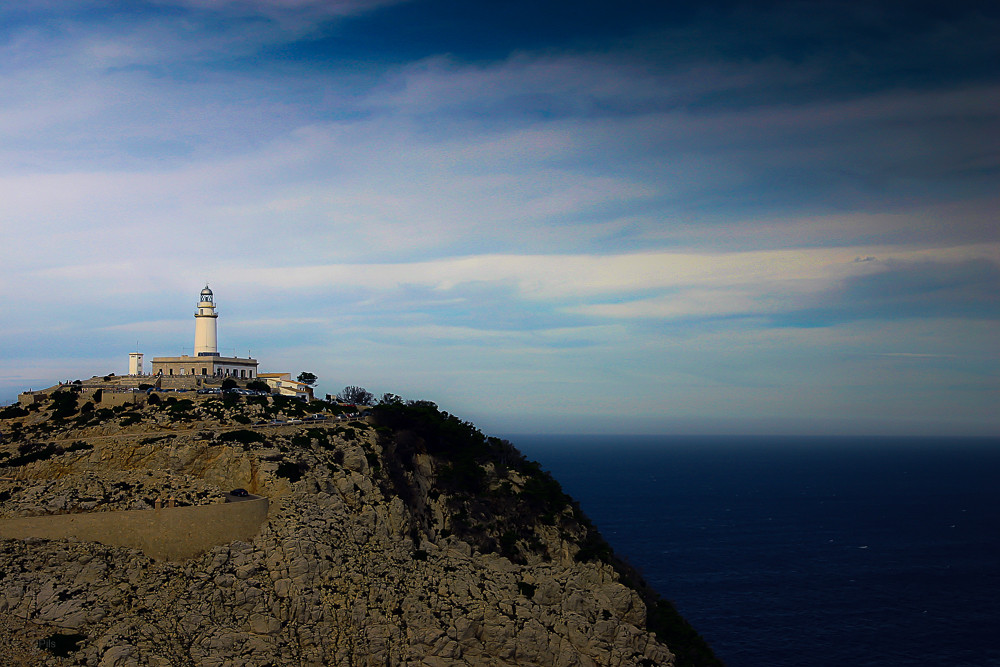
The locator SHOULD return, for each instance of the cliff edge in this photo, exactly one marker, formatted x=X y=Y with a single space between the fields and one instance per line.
x=407 y=538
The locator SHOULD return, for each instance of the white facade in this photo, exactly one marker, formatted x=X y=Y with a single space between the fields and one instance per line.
x=286 y=386
x=206 y=342
x=135 y=363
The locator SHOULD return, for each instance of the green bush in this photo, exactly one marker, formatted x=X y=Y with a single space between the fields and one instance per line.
x=12 y=411
x=526 y=589
x=290 y=471
x=61 y=645
x=38 y=455
x=64 y=404
x=242 y=436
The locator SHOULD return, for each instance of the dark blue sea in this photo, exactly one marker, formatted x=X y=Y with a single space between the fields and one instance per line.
x=815 y=551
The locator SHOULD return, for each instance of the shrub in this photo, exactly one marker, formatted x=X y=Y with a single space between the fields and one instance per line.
x=61 y=645
x=13 y=411
x=593 y=548
x=242 y=436
x=290 y=471
x=64 y=403
x=527 y=590
x=39 y=455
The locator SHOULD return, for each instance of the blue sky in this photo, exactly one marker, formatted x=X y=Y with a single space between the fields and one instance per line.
x=720 y=217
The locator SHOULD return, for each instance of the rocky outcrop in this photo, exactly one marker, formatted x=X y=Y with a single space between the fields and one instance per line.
x=367 y=557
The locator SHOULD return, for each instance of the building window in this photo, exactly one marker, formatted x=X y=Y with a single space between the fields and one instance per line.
x=171 y=371
x=204 y=371
x=251 y=375
x=243 y=374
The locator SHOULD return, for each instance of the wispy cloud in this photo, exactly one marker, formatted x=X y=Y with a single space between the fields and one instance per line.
x=692 y=206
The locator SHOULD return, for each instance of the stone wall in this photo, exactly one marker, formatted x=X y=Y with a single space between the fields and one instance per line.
x=111 y=399
x=170 y=533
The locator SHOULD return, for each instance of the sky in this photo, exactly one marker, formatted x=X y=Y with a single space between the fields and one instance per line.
x=546 y=217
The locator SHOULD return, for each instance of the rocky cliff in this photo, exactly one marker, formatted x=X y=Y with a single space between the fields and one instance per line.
x=409 y=538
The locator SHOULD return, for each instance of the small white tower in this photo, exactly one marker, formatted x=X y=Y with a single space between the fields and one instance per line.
x=135 y=363
x=205 y=336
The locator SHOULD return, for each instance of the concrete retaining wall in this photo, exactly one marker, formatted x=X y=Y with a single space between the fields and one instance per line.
x=170 y=533
x=111 y=399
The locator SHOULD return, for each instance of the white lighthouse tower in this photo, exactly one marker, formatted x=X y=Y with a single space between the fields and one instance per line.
x=205 y=334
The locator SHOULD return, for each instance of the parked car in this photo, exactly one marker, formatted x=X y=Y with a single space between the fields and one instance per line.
x=239 y=493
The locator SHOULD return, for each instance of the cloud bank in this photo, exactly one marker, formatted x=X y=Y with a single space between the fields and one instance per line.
x=678 y=220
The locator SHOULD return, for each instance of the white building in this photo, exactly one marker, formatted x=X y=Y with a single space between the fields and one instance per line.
x=282 y=383
x=135 y=363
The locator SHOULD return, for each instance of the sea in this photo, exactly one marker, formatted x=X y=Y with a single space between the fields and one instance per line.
x=804 y=551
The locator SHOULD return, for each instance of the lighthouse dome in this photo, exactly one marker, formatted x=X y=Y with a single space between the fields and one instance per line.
x=206 y=291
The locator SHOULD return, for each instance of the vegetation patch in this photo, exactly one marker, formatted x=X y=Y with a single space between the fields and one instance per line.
x=61 y=645
x=290 y=471
x=132 y=419
x=159 y=438
x=13 y=411
x=242 y=436
x=80 y=445
x=673 y=630
x=64 y=404
x=38 y=455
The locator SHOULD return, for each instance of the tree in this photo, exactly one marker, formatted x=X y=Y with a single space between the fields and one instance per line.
x=390 y=399
x=258 y=385
x=307 y=378
x=230 y=383
x=355 y=395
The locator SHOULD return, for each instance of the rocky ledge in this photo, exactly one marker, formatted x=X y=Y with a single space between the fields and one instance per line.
x=408 y=539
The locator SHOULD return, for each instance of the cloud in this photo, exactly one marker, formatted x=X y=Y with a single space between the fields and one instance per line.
x=918 y=288
x=673 y=207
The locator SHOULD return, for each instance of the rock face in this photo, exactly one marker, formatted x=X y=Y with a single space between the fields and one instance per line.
x=385 y=544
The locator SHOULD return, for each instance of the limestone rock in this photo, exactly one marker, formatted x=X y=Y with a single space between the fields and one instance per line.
x=362 y=560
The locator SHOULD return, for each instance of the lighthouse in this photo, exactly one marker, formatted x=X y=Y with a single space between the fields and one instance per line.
x=206 y=361
x=205 y=319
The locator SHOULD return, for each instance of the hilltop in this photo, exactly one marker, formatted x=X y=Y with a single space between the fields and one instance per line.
x=406 y=537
